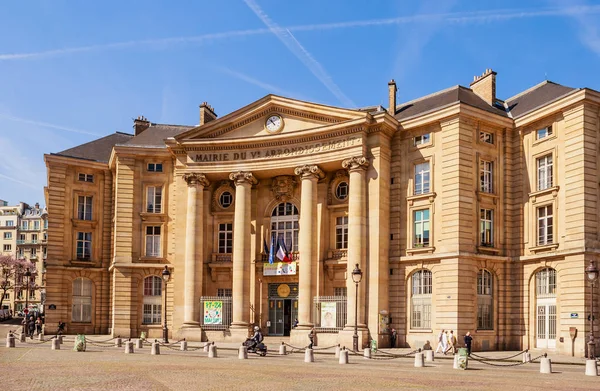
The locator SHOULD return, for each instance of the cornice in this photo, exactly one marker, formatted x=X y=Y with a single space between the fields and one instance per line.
x=72 y=161
x=455 y=109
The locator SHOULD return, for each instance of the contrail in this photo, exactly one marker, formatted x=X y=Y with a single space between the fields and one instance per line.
x=20 y=182
x=288 y=39
x=456 y=17
x=258 y=83
x=47 y=125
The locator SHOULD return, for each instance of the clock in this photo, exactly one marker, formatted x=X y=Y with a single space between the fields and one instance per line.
x=283 y=290
x=274 y=123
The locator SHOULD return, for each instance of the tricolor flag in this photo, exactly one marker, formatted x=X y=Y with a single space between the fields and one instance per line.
x=272 y=251
x=282 y=252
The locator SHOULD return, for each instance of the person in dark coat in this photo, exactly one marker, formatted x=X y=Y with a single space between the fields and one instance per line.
x=393 y=336
x=468 y=341
x=31 y=326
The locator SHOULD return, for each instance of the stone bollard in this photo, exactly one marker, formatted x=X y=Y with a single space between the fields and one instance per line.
x=60 y=339
x=367 y=353
x=343 y=356
x=10 y=340
x=206 y=347
x=55 y=344
x=526 y=356
x=419 y=360
x=139 y=343
x=40 y=337
x=337 y=351
x=129 y=347
x=212 y=351
x=591 y=368
x=455 y=366
x=183 y=345
x=155 y=348
x=429 y=355
x=282 y=350
x=545 y=365
x=243 y=353
x=309 y=356
x=118 y=342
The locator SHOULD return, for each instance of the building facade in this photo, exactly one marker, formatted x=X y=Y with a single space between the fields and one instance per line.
x=462 y=211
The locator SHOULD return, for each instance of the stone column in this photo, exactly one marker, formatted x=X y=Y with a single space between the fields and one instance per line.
x=241 y=247
x=307 y=246
x=357 y=201
x=194 y=238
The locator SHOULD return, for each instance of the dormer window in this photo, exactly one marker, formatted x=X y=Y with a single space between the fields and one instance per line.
x=422 y=139
x=543 y=133
x=155 y=167
x=86 y=177
x=486 y=137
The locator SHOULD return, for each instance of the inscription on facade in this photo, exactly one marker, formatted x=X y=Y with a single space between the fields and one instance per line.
x=274 y=153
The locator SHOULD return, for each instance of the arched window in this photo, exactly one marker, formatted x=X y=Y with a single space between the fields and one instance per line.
x=484 y=300
x=82 y=300
x=546 y=283
x=152 y=300
x=421 y=300
x=284 y=225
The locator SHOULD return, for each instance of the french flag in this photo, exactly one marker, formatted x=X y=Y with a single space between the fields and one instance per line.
x=282 y=252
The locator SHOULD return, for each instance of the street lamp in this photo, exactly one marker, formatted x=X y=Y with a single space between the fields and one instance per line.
x=356 y=277
x=27 y=276
x=592 y=274
x=166 y=274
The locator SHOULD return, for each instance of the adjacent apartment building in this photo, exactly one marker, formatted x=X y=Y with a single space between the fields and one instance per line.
x=463 y=211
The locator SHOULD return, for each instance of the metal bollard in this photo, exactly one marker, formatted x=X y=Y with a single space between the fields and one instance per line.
x=526 y=356
x=243 y=353
x=129 y=347
x=545 y=365
x=343 y=356
x=429 y=356
x=139 y=343
x=419 y=360
x=155 y=348
x=183 y=345
x=309 y=356
x=118 y=342
x=55 y=344
x=367 y=353
x=282 y=349
x=591 y=368
x=212 y=351
x=337 y=351
x=10 y=340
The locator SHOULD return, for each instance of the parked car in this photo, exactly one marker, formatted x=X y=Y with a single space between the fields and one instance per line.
x=5 y=314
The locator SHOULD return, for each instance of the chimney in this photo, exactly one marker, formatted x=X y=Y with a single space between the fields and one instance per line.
x=392 y=97
x=37 y=205
x=485 y=86
x=207 y=113
x=140 y=124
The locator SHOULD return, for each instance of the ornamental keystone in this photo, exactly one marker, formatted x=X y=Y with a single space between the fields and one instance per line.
x=308 y=171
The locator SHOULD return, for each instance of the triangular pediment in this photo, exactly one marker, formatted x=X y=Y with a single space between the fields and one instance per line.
x=251 y=120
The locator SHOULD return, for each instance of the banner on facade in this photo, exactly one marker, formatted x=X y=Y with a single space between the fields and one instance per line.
x=328 y=314
x=279 y=269
x=213 y=312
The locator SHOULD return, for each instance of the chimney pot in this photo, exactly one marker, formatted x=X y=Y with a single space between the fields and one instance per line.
x=484 y=86
x=207 y=113
x=140 y=124
x=392 y=89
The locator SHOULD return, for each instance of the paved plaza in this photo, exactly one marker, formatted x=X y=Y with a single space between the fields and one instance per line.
x=34 y=366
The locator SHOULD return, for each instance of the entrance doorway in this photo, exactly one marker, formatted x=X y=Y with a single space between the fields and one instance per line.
x=545 y=307
x=283 y=308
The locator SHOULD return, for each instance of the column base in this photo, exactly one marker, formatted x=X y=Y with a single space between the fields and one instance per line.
x=239 y=333
x=190 y=332
x=346 y=338
x=299 y=337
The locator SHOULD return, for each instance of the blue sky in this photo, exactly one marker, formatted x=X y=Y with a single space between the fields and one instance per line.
x=72 y=71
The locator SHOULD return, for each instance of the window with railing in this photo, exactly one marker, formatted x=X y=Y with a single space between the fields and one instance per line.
x=225 y=238
x=486 y=222
x=422 y=178
x=545 y=225
x=421 y=228
x=153 y=241
x=84 y=207
x=84 y=246
x=341 y=232
x=154 y=199
x=486 y=176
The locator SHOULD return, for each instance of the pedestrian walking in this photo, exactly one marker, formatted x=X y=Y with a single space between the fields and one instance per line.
x=440 y=345
x=445 y=342
x=31 y=327
x=452 y=342
x=468 y=341
x=393 y=336
x=311 y=338
x=38 y=325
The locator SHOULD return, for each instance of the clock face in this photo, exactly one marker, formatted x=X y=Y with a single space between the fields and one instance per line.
x=274 y=123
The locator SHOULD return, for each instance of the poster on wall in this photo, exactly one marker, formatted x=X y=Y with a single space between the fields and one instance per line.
x=328 y=314
x=279 y=269
x=213 y=312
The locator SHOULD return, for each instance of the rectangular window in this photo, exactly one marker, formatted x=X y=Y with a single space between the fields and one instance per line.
x=486 y=137
x=224 y=292
x=10 y=223
x=44 y=252
x=154 y=199
x=340 y=291
x=45 y=224
x=341 y=232
x=25 y=225
x=422 y=178
x=155 y=167
x=545 y=225
x=20 y=253
x=7 y=247
x=33 y=253
x=421 y=300
x=152 y=313
x=34 y=238
x=225 y=238
x=484 y=312
x=22 y=238
x=153 y=241
x=486 y=221
x=486 y=176
x=8 y=235
x=86 y=178
x=421 y=228
x=84 y=246
x=422 y=139
x=543 y=133
x=36 y=225
x=544 y=171
x=84 y=207
x=82 y=300
x=7 y=296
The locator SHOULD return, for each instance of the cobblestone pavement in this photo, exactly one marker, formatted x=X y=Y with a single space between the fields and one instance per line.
x=34 y=366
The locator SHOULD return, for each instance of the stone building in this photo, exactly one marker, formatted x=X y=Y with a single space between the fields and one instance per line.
x=463 y=211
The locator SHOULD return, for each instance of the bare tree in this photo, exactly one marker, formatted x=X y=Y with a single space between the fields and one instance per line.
x=12 y=272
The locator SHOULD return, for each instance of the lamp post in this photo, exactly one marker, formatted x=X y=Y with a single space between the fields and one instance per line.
x=356 y=277
x=26 y=311
x=592 y=274
x=166 y=274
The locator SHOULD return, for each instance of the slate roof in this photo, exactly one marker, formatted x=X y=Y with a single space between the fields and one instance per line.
x=444 y=98
x=98 y=150
x=155 y=135
x=537 y=96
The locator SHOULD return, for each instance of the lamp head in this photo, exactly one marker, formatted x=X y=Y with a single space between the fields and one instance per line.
x=592 y=271
x=166 y=274
x=28 y=273
x=356 y=274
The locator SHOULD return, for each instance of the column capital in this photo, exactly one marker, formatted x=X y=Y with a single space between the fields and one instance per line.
x=309 y=171
x=356 y=163
x=240 y=177
x=196 y=178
